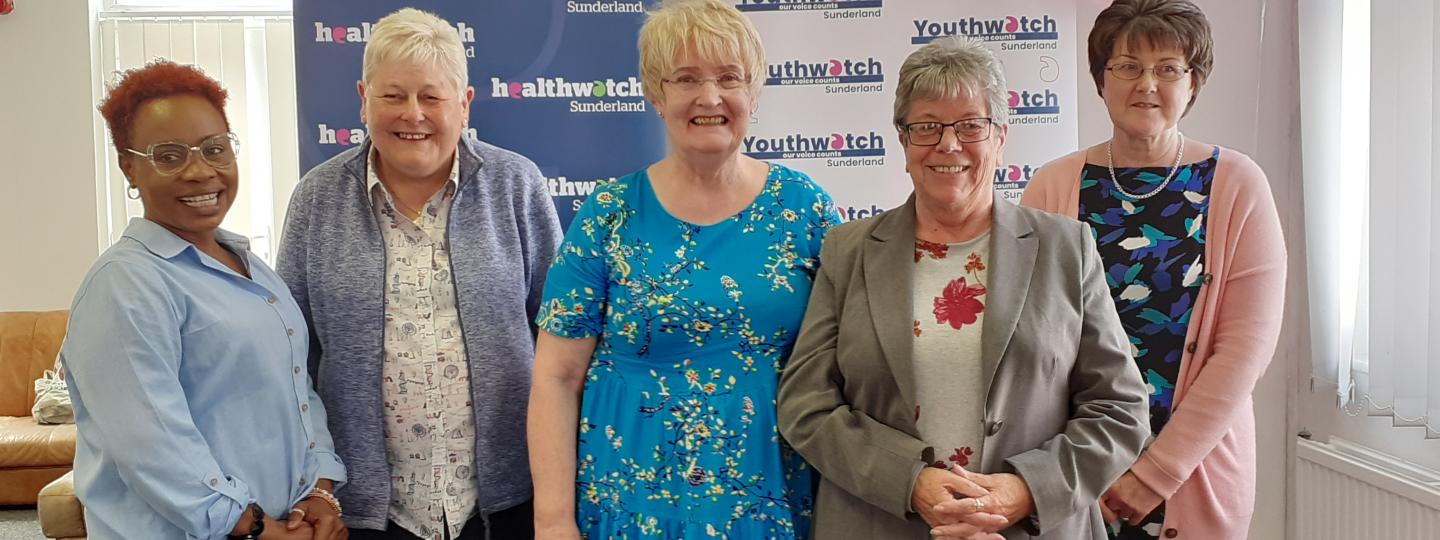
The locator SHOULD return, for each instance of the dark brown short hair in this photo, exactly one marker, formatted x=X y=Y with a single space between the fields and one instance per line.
x=1157 y=23
x=158 y=79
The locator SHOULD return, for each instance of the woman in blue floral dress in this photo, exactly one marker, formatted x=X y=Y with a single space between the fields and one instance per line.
x=670 y=311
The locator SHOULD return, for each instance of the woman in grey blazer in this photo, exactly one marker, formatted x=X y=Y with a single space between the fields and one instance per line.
x=961 y=370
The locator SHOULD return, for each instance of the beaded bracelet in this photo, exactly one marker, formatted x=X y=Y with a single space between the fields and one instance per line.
x=329 y=499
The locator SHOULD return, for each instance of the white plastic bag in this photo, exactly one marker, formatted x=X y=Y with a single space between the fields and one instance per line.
x=52 y=400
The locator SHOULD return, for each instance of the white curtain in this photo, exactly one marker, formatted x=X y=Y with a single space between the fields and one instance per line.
x=1372 y=227
x=253 y=58
x=1404 y=226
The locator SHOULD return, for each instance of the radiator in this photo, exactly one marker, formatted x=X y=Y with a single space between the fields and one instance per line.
x=1344 y=491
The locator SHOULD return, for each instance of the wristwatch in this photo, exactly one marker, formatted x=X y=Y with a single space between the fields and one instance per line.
x=257 y=523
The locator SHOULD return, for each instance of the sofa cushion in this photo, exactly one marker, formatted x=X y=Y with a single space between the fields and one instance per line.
x=60 y=512
x=29 y=341
x=24 y=443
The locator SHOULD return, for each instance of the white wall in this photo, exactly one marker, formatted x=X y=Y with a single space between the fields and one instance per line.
x=48 y=226
x=1248 y=104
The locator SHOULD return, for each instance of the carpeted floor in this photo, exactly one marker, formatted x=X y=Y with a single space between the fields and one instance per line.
x=19 y=523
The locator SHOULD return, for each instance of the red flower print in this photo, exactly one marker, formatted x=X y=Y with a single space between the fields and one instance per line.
x=960 y=305
x=973 y=264
x=934 y=250
x=917 y=328
x=961 y=456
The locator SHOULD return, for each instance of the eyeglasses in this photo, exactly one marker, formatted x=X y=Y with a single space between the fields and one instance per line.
x=690 y=84
x=968 y=130
x=169 y=158
x=1129 y=71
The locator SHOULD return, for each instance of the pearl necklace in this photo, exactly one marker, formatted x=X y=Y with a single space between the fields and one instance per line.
x=1110 y=164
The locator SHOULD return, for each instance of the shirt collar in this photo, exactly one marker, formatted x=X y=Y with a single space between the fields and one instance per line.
x=372 y=175
x=166 y=244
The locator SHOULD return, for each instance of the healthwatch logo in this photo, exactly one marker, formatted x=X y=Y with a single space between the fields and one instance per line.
x=807 y=146
x=599 y=95
x=804 y=5
x=1009 y=28
x=831 y=71
x=361 y=33
x=350 y=136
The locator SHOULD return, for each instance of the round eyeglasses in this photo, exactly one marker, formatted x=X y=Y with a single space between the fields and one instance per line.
x=169 y=158
x=1129 y=71
x=969 y=130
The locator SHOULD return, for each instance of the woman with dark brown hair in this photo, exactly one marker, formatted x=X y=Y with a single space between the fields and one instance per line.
x=1195 y=262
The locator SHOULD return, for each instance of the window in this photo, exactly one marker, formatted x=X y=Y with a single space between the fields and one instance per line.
x=1372 y=211
x=251 y=54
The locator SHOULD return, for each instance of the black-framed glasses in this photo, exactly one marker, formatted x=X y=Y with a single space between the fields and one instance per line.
x=691 y=84
x=1129 y=71
x=968 y=130
x=170 y=157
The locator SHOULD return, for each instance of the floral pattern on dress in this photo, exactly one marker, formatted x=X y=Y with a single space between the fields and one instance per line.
x=677 y=432
x=1153 y=251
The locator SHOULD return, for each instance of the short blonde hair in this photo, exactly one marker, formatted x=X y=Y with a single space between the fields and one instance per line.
x=945 y=67
x=411 y=35
x=716 y=30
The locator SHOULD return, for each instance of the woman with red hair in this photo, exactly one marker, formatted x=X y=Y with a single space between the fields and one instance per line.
x=186 y=355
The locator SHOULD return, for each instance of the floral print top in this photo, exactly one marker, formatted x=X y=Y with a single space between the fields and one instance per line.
x=949 y=306
x=1153 y=252
x=677 y=435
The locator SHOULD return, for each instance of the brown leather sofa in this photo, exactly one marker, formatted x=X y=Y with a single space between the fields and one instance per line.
x=31 y=455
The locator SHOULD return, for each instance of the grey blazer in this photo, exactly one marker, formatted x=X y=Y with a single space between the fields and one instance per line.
x=1065 y=408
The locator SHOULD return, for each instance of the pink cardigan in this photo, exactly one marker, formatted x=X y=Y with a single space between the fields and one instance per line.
x=1203 y=462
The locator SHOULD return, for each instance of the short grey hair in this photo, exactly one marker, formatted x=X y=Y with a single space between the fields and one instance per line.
x=411 y=35
x=946 y=67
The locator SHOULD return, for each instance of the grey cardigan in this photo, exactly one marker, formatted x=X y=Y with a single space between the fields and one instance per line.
x=1064 y=405
x=503 y=233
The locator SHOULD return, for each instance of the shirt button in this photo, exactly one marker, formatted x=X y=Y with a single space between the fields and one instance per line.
x=289 y=331
x=304 y=407
x=297 y=370
x=214 y=482
x=1190 y=348
x=312 y=444
x=270 y=300
x=1209 y=278
x=1171 y=533
x=995 y=427
x=302 y=482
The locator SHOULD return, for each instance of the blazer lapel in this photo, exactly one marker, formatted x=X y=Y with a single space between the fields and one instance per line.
x=1012 y=260
x=889 y=283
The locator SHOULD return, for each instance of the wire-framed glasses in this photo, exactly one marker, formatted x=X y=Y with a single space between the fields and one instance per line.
x=170 y=157
x=1129 y=71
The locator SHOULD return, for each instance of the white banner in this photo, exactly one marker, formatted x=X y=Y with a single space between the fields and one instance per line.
x=830 y=87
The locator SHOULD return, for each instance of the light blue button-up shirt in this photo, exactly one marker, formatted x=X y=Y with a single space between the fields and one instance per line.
x=191 y=392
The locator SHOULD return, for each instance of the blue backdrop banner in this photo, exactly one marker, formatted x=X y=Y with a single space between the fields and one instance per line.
x=555 y=81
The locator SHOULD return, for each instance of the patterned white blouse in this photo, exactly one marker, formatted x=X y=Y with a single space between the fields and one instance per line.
x=429 y=424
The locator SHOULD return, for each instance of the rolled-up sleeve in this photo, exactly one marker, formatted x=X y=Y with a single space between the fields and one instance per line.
x=122 y=355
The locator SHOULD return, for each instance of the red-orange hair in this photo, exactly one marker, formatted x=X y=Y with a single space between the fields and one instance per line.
x=158 y=79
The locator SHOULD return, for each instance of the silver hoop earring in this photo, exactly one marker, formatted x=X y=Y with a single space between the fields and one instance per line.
x=132 y=192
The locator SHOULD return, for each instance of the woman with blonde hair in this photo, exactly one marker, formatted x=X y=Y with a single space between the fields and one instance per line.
x=671 y=310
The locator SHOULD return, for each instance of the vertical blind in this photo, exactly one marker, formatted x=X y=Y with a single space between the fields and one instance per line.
x=253 y=58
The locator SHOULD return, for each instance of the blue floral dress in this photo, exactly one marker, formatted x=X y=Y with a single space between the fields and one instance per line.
x=1153 y=254
x=678 y=435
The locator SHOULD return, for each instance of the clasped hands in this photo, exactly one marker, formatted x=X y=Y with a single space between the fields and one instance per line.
x=962 y=505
